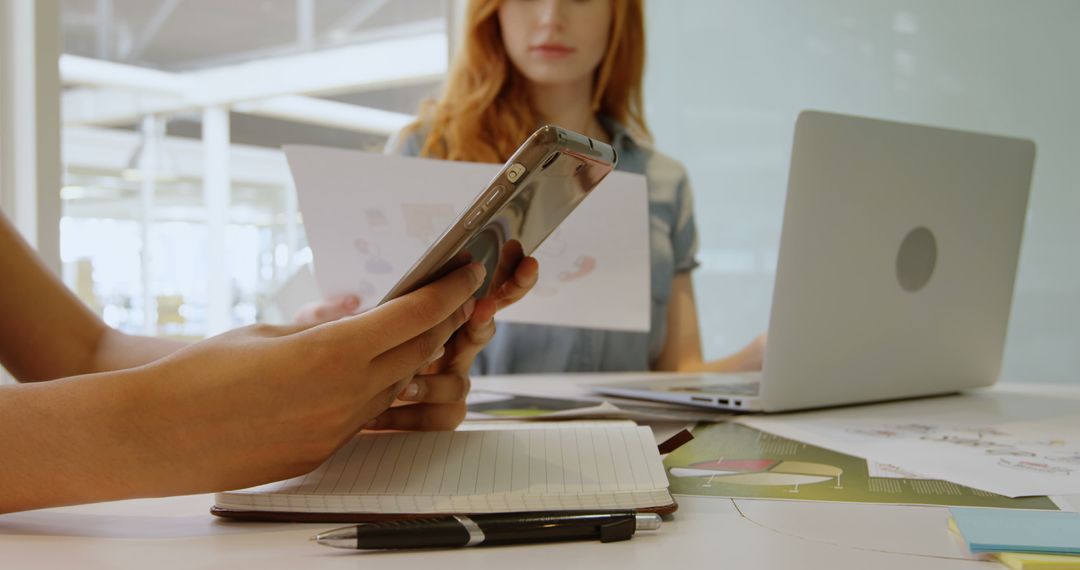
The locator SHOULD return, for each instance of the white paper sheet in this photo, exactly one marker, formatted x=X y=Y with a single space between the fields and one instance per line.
x=1015 y=459
x=369 y=217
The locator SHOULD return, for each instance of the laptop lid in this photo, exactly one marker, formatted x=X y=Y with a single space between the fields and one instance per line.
x=897 y=261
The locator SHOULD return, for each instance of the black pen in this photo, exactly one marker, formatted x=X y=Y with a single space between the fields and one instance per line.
x=489 y=529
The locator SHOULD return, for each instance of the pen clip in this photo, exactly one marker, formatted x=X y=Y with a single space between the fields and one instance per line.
x=616 y=531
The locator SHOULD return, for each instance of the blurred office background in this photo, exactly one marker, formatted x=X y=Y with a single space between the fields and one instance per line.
x=176 y=213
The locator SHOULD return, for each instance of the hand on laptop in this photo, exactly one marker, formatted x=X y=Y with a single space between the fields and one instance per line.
x=749 y=358
x=752 y=356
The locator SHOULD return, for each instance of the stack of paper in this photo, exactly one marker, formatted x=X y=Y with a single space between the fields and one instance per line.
x=1022 y=539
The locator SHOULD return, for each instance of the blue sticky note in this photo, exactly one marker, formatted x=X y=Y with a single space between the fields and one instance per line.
x=1010 y=530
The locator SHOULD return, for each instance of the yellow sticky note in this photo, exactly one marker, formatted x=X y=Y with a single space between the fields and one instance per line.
x=1018 y=561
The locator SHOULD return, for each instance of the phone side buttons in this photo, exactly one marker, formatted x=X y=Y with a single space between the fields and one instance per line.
x=493 y=195
x=474 y=218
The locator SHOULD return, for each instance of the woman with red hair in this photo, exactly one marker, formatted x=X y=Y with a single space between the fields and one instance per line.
x=577 y=64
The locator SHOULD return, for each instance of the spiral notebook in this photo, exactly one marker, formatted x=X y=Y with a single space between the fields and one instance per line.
x=534 y=467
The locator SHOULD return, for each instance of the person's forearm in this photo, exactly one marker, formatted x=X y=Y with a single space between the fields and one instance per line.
x=108 y=351
x=119 y=351
x=75 y=440
x=748 y=358
x=733 y=363
x=47 y=333
x=682 y=347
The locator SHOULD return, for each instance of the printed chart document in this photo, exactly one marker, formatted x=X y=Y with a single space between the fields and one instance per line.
x=732 y=460
x=1014 y=459
x=369 y=217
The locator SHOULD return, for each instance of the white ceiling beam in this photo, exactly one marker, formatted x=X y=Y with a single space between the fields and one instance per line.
x=365 y=36
x=110 y=108
x=120 y=94
x=312 y=111
x=387 y=63
x=89 y=72
x=376 y=65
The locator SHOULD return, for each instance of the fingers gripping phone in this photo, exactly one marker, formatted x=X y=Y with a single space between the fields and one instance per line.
x=545 y=179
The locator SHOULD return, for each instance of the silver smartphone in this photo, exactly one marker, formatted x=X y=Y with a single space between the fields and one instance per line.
x=545 y=179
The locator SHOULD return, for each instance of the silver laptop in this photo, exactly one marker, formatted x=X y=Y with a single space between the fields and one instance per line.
x=895 y=277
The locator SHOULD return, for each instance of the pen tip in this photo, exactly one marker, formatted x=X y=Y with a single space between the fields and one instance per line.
x=344 y=537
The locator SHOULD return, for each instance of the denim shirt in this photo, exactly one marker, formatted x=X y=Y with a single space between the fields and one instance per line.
x=523 y=348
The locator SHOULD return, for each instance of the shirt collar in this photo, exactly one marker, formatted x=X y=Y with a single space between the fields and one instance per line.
x=621 y=138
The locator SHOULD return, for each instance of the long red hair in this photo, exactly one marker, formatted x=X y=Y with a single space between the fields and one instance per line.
x=484 y=112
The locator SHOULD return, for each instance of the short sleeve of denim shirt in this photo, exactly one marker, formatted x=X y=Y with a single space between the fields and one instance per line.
x=684 y=236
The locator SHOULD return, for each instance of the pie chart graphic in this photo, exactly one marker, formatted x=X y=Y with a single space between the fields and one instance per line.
x=761 y=472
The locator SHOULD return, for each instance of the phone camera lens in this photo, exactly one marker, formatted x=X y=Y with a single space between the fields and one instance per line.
x=515 y=172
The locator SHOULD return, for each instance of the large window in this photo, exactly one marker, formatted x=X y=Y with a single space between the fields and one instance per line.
x=180 y=222
x=163 y=289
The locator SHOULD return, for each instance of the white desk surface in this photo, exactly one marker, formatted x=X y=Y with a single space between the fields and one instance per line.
x=179 y=532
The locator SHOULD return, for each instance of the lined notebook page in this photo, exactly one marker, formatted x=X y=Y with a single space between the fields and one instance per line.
x=487 y=470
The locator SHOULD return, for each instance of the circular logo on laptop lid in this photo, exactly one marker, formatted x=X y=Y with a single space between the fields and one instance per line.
x=916 y=260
